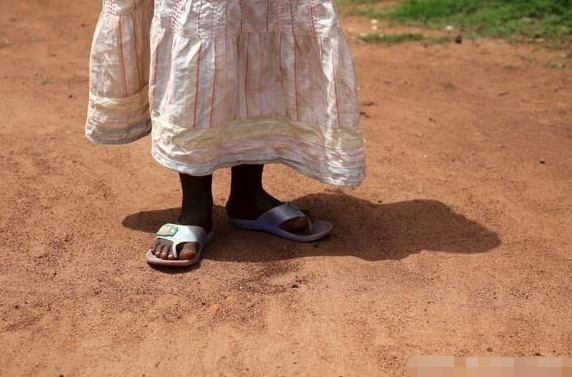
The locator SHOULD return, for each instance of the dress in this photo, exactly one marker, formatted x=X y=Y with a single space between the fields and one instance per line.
x=220 y=83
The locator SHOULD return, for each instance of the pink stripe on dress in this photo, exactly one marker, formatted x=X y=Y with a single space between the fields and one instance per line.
x=246 y=76
x=295 y=63
x=121 y=60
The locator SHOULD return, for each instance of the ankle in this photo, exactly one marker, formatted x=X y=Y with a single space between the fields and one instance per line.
x=246 y=190
x=250 y=205
x=199 y=214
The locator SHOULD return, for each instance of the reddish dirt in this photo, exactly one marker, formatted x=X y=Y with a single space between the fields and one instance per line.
x=458 y=243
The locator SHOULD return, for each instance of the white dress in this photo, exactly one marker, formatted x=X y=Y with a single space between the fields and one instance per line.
x=220 y=83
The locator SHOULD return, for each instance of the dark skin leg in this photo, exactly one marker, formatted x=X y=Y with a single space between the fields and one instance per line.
x=196 y=209
x=248 y=200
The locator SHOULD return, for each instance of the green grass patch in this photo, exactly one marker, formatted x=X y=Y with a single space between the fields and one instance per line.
x=346 y=2
x=548 y=20
x=366 y=8
x=390 y=38
x=440 y=40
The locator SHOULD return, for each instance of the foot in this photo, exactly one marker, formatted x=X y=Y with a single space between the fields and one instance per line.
x=250 y=206
x=163 y=248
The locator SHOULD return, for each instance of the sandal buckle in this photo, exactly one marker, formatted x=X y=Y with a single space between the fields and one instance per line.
x=167 y=230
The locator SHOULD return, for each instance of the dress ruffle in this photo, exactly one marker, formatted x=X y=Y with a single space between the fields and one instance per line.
x=227 y=83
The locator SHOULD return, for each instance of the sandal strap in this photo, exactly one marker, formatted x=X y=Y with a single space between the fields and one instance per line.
x=280 y=214
x=178 y=234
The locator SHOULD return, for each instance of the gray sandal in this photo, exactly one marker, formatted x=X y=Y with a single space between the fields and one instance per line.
x=271 y=220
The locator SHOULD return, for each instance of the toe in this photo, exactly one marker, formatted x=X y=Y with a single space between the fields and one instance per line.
x=297 y=224
x=155 y=247
x=164 y=251
x=189 y=251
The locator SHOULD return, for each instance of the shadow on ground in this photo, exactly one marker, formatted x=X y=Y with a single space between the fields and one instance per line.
x=363 y=229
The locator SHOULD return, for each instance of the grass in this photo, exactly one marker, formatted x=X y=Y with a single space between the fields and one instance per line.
x=550 y=20
x=390 y=38
x=367 y=8
x=546 y=21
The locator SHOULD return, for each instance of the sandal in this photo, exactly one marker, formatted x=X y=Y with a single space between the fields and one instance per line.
x=271 y=220
x=179 y=234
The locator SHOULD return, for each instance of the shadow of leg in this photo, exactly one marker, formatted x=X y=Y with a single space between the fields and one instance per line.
x=363 y=229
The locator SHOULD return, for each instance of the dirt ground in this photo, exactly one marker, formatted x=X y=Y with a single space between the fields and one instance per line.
x=458 y=243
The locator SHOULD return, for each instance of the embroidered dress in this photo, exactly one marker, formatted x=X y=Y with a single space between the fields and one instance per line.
x=220 y=83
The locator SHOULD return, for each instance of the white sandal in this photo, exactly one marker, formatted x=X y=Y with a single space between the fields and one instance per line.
x=179 y=234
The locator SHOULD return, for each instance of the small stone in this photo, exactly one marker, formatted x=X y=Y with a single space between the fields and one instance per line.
x=542 y=161
x=459 y=39
x=490 y=349
x=295 y=285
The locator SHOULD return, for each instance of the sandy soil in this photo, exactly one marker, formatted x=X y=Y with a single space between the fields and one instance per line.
x=458 y=243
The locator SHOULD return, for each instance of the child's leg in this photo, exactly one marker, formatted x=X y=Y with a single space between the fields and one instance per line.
x=248 y=199
x=196 y=210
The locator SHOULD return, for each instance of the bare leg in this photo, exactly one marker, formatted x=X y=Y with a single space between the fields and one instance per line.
x=196 y=209
x=248 y=199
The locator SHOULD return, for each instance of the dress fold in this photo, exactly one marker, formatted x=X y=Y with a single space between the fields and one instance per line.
x=225 y=83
